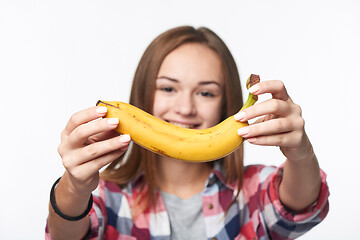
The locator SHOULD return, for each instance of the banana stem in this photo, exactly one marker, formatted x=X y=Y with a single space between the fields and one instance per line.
x=250 y=101
x=251 y=81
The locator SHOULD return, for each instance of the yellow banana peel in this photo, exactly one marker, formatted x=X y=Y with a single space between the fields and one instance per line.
x=161 y=137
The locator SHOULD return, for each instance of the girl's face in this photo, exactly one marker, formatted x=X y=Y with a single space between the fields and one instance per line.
x=189 y=87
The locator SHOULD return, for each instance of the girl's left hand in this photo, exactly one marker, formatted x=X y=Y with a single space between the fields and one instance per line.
x=280 y=122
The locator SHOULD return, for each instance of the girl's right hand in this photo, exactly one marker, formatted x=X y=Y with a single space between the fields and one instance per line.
x=88 y=143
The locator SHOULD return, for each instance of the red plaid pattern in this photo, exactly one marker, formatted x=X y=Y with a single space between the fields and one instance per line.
x=257 y=213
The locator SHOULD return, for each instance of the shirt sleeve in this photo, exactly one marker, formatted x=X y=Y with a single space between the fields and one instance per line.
x=96 y=221
x=281 y=222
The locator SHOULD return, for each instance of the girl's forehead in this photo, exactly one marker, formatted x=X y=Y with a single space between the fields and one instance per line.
x=194 y=62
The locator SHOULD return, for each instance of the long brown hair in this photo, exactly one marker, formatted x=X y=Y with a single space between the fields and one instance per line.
x=139 y=160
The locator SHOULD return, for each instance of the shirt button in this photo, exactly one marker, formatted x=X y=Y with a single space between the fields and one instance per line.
x=210 y=206
x=211 y=181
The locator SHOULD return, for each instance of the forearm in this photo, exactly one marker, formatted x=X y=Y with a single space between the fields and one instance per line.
x=71 y=204
x=301 y=182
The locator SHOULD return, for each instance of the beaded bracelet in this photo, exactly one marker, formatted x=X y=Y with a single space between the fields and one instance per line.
x=57 y=210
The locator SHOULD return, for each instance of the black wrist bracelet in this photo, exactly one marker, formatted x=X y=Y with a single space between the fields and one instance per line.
x=58 y=212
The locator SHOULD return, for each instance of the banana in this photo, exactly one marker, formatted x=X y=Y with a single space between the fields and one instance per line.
x=161 y=137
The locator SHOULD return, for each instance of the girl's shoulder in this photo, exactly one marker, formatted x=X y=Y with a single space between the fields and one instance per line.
x=111 y=189
x=259 y=176
x=260 y=171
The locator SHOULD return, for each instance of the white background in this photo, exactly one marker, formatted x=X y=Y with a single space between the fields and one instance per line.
x=57 y=57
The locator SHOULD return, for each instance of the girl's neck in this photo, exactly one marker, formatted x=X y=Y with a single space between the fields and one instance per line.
x=183 y=179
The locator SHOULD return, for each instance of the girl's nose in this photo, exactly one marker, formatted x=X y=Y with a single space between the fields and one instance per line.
x=185 y=105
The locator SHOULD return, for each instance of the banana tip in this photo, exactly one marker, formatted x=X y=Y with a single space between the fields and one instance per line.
x=252 y=80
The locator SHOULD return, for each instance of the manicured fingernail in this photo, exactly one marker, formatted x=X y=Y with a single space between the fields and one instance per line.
x=254 y=88
x=101 y=110
x=240 y=116
x=125 y=138
x=251 y=140
x=113 y=121
x=243 y=131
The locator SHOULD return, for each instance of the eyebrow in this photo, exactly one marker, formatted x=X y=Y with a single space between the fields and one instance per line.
x=176 y=80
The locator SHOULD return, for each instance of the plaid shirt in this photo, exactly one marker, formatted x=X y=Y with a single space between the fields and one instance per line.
x=257 y=213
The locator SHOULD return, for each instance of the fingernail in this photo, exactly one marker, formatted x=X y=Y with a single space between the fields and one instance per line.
x=240 y=115
x=125 y=138
x=254 y=88
x=101 y=110
x=243 y=131
x=113 y=121
x=251 y=140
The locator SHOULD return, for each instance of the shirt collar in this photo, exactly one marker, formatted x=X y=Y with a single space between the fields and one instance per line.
x=216 y=176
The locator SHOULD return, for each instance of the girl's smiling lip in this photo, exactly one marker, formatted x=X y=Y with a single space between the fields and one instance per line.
x=184 y=124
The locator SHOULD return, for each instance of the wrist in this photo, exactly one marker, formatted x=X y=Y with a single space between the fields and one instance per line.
x=69 y=215
x=69 y=200
x=302 y=154
x=74 y=187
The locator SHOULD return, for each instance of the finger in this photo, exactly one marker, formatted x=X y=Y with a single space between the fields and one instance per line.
x=275 y=87
x=80 y=156
x=89 y=168
x=100 y=162
x=102 y=136
x=98 y=149
x=271 y=127
x=81 y=134
x=84 y=116
x=271 y=106
x=289 y=140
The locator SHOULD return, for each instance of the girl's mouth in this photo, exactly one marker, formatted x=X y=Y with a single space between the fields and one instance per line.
x=191 y=126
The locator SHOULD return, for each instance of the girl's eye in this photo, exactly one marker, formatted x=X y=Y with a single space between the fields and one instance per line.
x=167 y=89
x=206 y=94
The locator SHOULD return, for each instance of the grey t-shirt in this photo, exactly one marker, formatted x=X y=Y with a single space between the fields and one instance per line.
x=186 y=217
